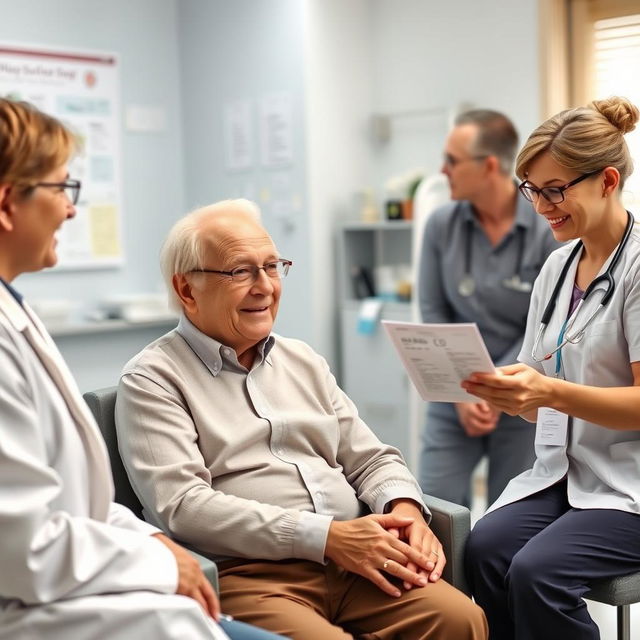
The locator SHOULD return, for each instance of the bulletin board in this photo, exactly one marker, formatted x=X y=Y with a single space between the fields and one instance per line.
x=82 y=90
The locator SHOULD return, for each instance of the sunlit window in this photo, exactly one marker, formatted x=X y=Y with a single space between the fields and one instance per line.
x=616 y=71
x=590 y=49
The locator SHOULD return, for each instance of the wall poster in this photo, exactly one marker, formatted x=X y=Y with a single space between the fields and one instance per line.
x=82 y=90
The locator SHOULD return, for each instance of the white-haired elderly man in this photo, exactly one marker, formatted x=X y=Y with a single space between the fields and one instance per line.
x=240 y=443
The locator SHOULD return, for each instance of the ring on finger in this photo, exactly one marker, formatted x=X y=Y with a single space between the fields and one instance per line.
x=385 y=564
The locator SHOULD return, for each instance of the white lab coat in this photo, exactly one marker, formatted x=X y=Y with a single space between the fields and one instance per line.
x=602 y=465
x=64 y=542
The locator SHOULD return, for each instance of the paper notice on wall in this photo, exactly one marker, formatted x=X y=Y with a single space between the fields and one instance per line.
x=238 y=135
x=276 y=130
x=105 y=235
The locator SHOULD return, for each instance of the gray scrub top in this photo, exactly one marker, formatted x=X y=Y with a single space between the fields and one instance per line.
x=602 y=465
x=499 y=312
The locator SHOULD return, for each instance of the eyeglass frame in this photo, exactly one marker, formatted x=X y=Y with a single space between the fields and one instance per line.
x=253 y=270
x=525 y=186
x=74 y=185
x=451 y=162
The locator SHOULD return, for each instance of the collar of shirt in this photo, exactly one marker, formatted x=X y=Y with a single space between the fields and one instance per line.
x=215 y=355
x=524 y=212
x=13 y=292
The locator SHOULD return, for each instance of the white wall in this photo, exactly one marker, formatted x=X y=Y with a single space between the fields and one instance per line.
x=338 y=105
x=432 y=54
x=340 y=61
x=393 y=56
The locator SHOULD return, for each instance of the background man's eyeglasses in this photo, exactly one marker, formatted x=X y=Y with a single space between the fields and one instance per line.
x=71 y=188
x=276 y=269
x=450 y=161
x=554 y=195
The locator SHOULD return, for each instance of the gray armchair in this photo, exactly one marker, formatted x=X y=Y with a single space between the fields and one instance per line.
x=450 y=521
x=102 y=404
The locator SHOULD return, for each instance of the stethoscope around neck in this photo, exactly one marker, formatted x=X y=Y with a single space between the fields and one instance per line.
x=607 y=277
x=467 y=285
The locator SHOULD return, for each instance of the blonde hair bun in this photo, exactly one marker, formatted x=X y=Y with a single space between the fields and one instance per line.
x=621 y=113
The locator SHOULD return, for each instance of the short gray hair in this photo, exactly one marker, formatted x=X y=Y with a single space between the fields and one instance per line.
x=496 y=136
x=182 y=251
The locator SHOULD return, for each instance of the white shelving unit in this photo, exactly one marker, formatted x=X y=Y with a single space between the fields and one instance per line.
x=372 y=374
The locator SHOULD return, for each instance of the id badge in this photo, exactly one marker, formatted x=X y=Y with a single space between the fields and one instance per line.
x=551 y=427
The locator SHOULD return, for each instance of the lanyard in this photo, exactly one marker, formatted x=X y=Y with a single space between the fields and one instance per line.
x=559 y=351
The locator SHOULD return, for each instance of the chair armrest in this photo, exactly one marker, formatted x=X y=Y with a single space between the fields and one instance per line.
x=209 y=568
x=451 y=524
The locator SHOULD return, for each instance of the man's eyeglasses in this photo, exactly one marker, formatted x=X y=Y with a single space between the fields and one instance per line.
x=554 y=195
x=451 y=161
x=276 y=269
x=71 y=188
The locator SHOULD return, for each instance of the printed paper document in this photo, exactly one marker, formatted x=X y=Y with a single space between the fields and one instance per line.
x=438 y=357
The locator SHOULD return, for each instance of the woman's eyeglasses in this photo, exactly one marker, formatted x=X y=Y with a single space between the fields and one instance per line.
x=71 y=188
x=554 y=195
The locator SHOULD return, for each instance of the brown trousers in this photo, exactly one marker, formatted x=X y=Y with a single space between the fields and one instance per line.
x=308 y=601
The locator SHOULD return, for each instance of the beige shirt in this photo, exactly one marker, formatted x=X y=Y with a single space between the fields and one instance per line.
x=254 y=463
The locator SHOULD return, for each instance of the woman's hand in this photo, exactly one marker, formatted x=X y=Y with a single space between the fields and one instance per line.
x=515 y=389
x=191 y=581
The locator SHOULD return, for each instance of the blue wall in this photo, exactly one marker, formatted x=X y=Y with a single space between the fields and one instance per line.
x=189 y=57
x=244 y=50
x=144 y=35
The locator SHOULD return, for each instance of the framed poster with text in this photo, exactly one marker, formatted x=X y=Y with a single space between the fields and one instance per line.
x=82 y=90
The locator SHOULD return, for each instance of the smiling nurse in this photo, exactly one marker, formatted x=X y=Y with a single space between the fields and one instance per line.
x=575 y=516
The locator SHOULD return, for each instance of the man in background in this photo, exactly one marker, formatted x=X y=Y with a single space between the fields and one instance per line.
x=480 y=255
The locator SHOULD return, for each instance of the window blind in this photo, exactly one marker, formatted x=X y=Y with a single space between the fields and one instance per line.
x=616 y=68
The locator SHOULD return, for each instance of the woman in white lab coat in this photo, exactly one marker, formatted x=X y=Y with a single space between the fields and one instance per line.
x=73 y=564
x=575 y=516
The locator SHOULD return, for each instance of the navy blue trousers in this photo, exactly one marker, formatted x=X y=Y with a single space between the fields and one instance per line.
x=530 y=563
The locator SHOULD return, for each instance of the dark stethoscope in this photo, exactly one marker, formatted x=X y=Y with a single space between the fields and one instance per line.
x=606 y=277
x=467 y=286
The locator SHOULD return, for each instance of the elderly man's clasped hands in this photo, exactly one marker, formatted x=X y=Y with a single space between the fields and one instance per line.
x=397 y=545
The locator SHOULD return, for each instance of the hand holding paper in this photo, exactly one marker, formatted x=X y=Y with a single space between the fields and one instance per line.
x=516 y=389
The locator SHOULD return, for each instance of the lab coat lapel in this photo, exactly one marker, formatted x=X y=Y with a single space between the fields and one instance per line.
x=101 y=489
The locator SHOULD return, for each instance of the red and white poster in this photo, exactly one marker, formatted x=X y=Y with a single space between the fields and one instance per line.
x=82 y=90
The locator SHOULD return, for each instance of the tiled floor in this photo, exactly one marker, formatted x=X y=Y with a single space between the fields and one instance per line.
x=604 y=615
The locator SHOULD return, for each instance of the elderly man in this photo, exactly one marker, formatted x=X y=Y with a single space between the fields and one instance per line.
x=480 y=256
x=240 y=443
